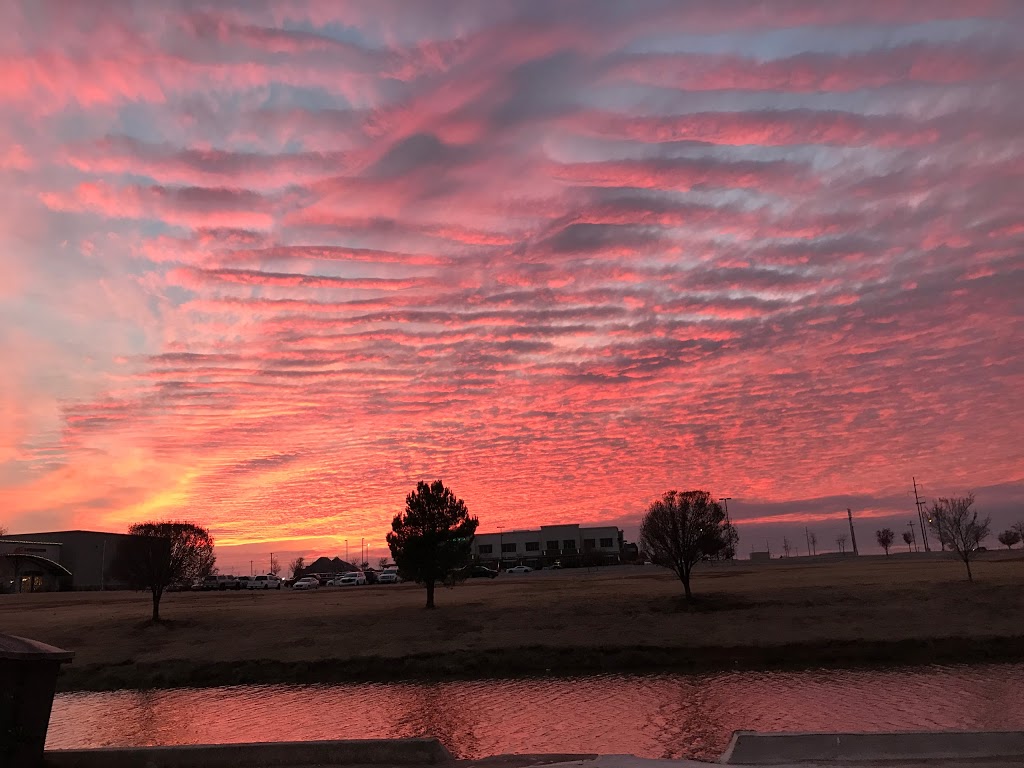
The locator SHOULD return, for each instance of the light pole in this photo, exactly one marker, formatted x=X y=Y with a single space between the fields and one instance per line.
x=501 y=534
x=731 y=549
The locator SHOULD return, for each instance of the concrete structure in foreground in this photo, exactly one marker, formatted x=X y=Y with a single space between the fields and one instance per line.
x=750 y=748
x=291 y=754
x=570 y=544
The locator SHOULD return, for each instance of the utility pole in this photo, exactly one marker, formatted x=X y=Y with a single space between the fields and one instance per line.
x=728 y=525
x=807 y=536
x=346 y=551
x=250 y=567
x=921 y=516
x=853 y=536
x=271 y=562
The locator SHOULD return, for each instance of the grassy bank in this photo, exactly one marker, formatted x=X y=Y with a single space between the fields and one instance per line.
x=865 y=611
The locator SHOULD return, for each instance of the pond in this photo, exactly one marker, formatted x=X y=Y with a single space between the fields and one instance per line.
x=662 y=715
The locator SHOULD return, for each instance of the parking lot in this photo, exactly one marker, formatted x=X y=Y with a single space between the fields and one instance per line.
x=866 y=600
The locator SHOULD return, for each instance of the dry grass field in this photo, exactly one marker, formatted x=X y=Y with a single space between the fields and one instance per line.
x=868 y=610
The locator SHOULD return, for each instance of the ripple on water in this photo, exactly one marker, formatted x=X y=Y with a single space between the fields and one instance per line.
x=666 y=715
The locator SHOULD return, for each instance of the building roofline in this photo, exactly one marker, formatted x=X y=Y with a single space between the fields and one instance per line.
x=581 y=526
x=63 y=533
x=9 y=540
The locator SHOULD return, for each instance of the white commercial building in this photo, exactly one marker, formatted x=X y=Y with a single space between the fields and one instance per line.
x=549 y=543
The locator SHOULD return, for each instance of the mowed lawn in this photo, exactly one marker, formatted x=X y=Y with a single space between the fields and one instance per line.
x=869 y=598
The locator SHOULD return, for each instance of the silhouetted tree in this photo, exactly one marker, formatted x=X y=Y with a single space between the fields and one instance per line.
x=3 y=530
x=1019 y=528
x=786 y=546
x=908 y=538
x=296 y=566
x=681 y=529
x=814 y=542
x=161 y=554
x=1008 y=538
x=382 y=563
x=841 y=541
x=433 y=537
x=885 y=539
x=364 y=566
x=960 y=527
x=275 y=565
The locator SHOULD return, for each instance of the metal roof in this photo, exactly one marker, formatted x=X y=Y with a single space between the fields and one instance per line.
x=39 y=559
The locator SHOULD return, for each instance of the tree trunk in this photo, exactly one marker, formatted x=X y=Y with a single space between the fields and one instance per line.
x=685 y=577
x=157 y=594
x=430 y=593
x=970 y=576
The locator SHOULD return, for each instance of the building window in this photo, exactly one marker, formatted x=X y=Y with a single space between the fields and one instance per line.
x=569 y=544
x=589 y=543
x=533 y=546
x=607 y=543
x=486 y=549
x=508 y=547
x=553 y=546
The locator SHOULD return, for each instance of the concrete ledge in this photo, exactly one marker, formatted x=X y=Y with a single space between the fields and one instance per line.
x=751 y=748
x=356 y=752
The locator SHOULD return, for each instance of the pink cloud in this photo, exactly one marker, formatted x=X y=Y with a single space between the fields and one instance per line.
x=271 y=266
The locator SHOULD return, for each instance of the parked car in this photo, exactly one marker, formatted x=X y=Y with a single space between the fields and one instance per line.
x=519 y=569
x=307 y=582
x=241 y=582
x=219 y=581
x=482 y=572
x=388 y=576
x=372 y=577
x=270 y=581
x=351 y=579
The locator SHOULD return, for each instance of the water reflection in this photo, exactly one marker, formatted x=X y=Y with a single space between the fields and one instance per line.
x=666 y=716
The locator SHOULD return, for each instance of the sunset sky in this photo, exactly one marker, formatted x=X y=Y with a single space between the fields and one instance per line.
x=266 y=265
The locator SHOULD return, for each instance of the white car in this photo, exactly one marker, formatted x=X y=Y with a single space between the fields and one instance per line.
x=388 y=577
x=351 y=579
x=519 y=569
x=307 y=582
x=270 y=581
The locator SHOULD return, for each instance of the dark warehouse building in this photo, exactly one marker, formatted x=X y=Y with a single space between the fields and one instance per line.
x=59 y=561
